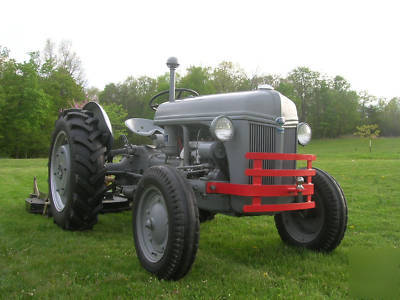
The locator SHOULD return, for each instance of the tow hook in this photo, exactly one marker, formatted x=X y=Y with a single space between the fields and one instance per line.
x=299 y=188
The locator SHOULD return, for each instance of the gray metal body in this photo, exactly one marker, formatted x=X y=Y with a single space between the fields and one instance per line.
x=247 y=111
x=186 y=124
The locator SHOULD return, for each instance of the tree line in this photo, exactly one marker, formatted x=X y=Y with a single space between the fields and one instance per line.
x=33 y=92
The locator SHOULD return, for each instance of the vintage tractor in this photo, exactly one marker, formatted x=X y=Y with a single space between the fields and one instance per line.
x=233 y=154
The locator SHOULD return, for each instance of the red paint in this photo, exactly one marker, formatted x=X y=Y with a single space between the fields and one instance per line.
x=257 y=190
x=277 y=207
x=254 y=172
x=279 y=156
x=253 y=190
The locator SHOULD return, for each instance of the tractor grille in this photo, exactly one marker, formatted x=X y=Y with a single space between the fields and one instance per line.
x=262 y=139
x=289 y=146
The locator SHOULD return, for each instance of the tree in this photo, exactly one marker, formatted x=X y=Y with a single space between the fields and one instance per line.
x=368 y=131
x=92 y=94
x=117 y=115
x=271 y=79
x=391 y=118
x=198 y=79
x=49 y=59
x=227 y=77
x=69 y=61
x=24 y=113
x=31 y=95
x=63 y=90
x=4 y=55
x=305 y=82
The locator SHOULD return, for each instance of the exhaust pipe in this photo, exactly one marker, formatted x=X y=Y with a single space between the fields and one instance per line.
x=172 y=64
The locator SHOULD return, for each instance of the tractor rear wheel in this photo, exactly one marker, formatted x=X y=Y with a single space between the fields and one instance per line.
x=76 y=170
x=321 y=228
x=165 y=223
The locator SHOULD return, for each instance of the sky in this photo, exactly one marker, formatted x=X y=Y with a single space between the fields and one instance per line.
x=359 y=40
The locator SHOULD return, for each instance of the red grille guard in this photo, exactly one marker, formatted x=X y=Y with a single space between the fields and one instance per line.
x=257 y=190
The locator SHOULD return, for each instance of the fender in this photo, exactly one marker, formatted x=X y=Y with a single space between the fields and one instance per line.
x=104 y=121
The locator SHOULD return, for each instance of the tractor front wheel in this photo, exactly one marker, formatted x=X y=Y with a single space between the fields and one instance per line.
x=165 y=223
x=321 y=228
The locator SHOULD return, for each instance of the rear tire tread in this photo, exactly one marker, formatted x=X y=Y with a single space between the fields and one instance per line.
x=87 y=170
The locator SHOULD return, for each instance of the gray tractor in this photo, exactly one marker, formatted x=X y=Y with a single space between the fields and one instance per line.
x=233 y=154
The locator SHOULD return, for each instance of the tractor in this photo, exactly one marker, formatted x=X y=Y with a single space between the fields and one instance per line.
x=233 y=154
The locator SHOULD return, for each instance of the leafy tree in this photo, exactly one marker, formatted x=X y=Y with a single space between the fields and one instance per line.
x=227 y=77
x=368 y=131
x=31 y=95
x=133 y=94
x=63 y=90
x=92 y=94
x=272 y=80
x=391 y=118
x=110 y=94
x=24 y=117
x=117 y=115
x=305 y=83
x=49 y=59
x=198 y=79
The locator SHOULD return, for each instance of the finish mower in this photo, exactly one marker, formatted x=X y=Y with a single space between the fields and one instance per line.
x=233 y=154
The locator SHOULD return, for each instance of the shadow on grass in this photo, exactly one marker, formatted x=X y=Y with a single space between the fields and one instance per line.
x=252 y=242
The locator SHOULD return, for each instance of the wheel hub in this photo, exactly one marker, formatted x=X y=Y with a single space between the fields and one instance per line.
x=152 y=224
x=60 y=170
x=304 y=226
x=156 y=223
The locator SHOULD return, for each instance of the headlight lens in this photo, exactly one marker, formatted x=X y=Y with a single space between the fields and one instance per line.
x=222 y=128
x=303 y=133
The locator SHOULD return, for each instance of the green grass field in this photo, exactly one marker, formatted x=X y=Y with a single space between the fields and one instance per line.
x=237 y=257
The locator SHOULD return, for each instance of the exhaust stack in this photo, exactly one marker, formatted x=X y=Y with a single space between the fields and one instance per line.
x=172 y=64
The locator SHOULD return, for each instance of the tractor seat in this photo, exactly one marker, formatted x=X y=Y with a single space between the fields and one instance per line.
x=143 y=127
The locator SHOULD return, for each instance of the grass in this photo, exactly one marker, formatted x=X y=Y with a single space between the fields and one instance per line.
x=237 y=257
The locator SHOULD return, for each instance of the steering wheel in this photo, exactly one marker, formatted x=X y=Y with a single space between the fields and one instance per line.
x=180 y=91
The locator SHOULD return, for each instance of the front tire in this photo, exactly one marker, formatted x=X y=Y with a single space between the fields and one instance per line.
x=165 y=223
x=321 y=228
x=76 y=170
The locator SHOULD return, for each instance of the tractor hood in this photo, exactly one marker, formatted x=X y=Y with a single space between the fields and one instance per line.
x=262 y=105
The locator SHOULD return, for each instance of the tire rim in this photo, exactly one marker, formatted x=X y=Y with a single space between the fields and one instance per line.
x=305 y=226
x=152 y=224
x=60 y=170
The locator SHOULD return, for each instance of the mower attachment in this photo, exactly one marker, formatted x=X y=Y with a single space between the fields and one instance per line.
x=257 y=190
x=37 y=203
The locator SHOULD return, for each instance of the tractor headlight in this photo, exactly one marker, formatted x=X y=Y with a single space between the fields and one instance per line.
x=222 y=128
x=303 y=133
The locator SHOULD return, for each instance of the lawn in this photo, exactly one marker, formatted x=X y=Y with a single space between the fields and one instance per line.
x=237 y=257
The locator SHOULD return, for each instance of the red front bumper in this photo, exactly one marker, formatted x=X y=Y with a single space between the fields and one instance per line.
x=257 y=190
